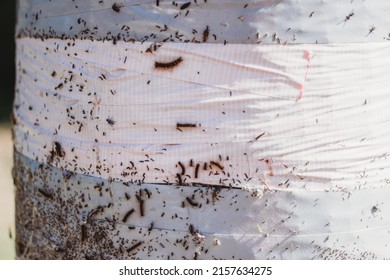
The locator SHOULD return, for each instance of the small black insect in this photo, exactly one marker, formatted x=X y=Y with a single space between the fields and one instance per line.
x=116 y=7
x=185 y=5
x=58 y=149
x=192 y=230
x=372 y=28
x=110 y=121
x=351 y=14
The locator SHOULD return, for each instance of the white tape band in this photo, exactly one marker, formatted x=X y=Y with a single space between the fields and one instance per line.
x=281 y=112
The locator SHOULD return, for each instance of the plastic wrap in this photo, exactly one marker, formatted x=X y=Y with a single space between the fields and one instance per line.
x=139 y=147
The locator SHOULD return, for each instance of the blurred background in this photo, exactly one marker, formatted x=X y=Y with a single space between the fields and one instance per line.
x=7 y=81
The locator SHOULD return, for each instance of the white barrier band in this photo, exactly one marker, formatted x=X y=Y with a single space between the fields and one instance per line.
x=211 y=21
x=258 y=115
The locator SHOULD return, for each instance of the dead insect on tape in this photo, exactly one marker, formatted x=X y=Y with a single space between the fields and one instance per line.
x=168 y=65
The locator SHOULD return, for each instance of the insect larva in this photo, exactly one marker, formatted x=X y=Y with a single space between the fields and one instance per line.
x=127 y=196
x=206 y=33
x=168 y=65
x=141 y=207
x=157 y=2
x=84 y=233
x=257 y=138
x=45 y=193
x=151 y=227
x=216 y=164
x=128 y=215
x=197 y=170
x=205 y=166
x=135 y=246
x=148 y=193
x=182 y=125
x=193 y=203
x=180 y=182
x=141 y=204
x=183 y=170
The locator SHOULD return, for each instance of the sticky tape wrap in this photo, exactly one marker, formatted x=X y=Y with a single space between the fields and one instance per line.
x=139 y=147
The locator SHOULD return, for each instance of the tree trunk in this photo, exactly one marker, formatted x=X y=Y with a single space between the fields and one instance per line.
x=202 y=130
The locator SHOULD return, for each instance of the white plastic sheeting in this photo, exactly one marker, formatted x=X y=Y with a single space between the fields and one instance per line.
x=228 y=21
x=260 y=114
x=296 y=136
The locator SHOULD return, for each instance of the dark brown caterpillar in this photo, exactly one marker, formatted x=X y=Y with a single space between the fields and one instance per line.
x=206 y=33
x=84 y=234
x=216 y=164
x=193 y=203
x=196 y=170
x=45 y=193
x=181 y=125
x=141 y=204
x=127 y=215
x=135 y=246
x=180 y=182
x=168 y=65
x=183 y=170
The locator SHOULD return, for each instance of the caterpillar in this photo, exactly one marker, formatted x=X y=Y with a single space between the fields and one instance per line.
x=168 y=65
